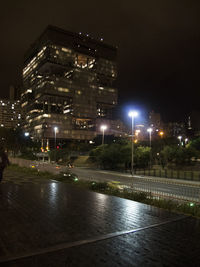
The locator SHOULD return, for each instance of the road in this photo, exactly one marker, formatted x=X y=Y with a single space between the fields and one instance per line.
x=170 y=188
x=164 y=187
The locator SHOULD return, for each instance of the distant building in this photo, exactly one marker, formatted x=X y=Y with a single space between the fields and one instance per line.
x=10 y=113
x=194 y=123
x=155 y=120
x=113 y=127
x=175 y=129
x=69 y=83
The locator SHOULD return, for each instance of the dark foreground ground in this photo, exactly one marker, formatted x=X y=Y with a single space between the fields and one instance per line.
x=47 y=223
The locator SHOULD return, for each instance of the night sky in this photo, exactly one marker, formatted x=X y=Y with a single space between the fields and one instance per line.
x=158 y=46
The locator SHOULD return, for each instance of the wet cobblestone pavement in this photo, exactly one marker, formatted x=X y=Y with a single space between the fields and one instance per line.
x=48 y=223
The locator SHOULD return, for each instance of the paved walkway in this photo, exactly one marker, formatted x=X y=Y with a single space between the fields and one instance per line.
x=47 y=223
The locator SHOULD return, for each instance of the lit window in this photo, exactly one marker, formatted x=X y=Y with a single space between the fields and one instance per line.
x=66 y=50
x=61 y=89
x=24 y=104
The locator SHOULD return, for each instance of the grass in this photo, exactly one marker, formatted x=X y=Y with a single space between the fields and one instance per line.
x=31 y=171
x=187 y=208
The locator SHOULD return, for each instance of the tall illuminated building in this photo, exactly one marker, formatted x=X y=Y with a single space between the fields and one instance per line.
x=10 y=111
x=69 y=84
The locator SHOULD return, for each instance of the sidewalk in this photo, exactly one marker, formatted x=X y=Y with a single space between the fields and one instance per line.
x=48 y=223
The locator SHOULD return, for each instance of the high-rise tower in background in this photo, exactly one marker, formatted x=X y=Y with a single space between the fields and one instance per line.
x=10 y=111
x=69 y=83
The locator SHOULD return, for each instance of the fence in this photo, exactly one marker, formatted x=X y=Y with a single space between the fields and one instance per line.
x=173 y=174
x=168 y=189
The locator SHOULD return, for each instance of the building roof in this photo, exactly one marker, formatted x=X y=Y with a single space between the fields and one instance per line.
x=79 y=42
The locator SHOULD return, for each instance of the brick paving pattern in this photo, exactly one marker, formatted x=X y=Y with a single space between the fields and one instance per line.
x=38 y=215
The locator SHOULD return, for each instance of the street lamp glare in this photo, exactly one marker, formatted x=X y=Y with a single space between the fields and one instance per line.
x=179 y=137
x=133 y=114
x=103 y=127
x=55 y=131
x=149 y=130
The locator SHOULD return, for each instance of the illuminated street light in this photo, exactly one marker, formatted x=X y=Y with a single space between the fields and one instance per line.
x=161 y=134
x=103 y=128
x=132 y=114
x=26 y=134
x=55 y=131
x=149 y=130
x=180 y=138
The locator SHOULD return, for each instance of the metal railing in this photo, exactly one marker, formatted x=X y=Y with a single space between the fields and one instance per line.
x=166 y=189
x=171 y=174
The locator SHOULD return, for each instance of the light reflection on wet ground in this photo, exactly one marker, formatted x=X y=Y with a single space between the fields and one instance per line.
x=39 y=215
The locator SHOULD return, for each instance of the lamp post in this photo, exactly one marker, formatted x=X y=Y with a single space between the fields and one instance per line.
x=55 y=131
x=103 y=128
x=132 y=114
x=149 y=130
x=180 y=137
x=161 y=133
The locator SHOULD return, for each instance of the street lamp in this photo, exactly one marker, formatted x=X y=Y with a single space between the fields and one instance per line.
x=55 y=131
x=132 y=114
x=149 y=130
x=103 y=128
x=161 y=134
x=180 y=137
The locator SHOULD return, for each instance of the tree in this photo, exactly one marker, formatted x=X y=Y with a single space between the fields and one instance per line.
x=177 y=155
x=195 y=144
x=142 y=156
x=59 y=155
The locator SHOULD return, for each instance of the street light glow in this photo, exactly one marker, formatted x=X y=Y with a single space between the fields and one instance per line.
x=103 y=127
x=149 y=130
x=133 y=114
x=55 y=130
x=179 y=137
x=161 y=133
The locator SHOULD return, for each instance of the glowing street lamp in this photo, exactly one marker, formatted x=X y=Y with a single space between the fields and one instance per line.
x=55 y=131
x=103 y=128
x=180 y=138
x=161 y=134
x=149 y=130
x=132 y=114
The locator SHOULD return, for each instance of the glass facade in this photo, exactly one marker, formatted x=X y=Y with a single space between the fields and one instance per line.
x=69 y=82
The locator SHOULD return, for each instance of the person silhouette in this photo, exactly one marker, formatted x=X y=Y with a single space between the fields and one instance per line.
x=4 y=162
